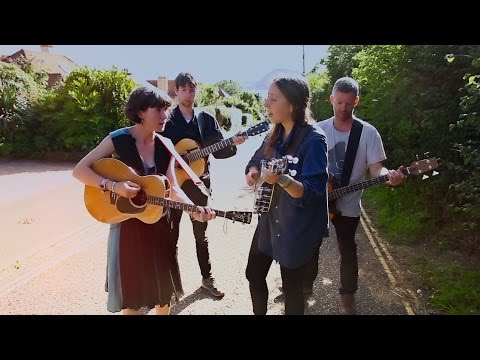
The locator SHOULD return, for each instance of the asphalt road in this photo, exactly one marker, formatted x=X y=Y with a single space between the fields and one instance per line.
x=53 y=254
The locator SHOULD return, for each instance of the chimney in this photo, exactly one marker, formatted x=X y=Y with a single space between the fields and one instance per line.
x=162 y=84
x=45 y=48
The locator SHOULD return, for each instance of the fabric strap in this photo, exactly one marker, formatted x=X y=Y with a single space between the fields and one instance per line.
x=352 y=148
x=196 y=180
x=200 y=122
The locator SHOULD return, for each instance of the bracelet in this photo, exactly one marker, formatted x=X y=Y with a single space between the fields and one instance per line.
x=285 y=181
x=103 y=183
x=287 y=184
x=113 y=186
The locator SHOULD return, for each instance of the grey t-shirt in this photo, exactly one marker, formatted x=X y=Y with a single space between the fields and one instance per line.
x=370 y=150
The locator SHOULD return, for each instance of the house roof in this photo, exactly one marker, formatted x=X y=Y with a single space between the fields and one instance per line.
x=171 y=86
x=51 y=63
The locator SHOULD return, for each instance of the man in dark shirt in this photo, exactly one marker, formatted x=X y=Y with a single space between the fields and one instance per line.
x=185 y=122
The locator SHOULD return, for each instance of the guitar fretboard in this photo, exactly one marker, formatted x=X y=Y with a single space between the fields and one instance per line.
x=209 y=150
x=179 y=205
x=337 y=193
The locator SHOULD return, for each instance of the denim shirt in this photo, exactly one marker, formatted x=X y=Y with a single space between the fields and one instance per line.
x=293 y=229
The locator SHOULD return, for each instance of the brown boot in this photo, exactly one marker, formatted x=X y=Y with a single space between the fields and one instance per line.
x=347 y=304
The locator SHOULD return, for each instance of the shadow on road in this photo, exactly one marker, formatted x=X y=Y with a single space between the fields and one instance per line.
x=199 y=294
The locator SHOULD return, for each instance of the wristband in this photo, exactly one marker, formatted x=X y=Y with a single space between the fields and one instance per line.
x=284 y=181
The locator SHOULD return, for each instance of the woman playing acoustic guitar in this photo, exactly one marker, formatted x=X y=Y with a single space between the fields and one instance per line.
x=142 y=269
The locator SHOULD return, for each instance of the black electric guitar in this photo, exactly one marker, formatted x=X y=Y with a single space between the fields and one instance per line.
x=419 y=167
x=149 y=203
x=194 y=156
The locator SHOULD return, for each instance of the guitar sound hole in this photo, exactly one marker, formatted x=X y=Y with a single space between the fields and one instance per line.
x=140 y=199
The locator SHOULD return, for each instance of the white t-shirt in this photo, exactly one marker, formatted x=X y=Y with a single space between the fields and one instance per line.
x=370 y=150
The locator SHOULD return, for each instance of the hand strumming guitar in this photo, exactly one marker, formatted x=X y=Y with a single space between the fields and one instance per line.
x=252 y=176
x=126 y=189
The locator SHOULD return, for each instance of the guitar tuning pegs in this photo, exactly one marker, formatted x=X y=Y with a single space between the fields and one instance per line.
x=292 y=172
x=425 y=177
x=435 y=173
x=426 y=154
x=291 y=159
x=416 y=156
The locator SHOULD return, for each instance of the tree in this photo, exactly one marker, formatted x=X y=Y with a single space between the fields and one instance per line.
x=230 y=86
x=207 y=95
x=18 y=93
x=340 y=60
x=320 y=90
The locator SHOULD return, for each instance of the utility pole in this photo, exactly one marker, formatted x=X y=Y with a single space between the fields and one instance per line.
x=303 y=59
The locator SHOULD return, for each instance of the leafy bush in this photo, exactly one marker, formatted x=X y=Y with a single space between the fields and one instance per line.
x=221 y=114
x=243 y=100
x=18 y=93
x=77 y=116
x=410 y=93
x=207 y=95
x=320 y=90
x=230 y=86
x=467 y=170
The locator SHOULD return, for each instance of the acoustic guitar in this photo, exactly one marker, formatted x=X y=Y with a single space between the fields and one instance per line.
x=195 y=157
x=149 y=203
x=419 y=167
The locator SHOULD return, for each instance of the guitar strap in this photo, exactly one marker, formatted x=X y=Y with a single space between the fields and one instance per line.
x=200 y=122
x=352 y=148
x=196 y=180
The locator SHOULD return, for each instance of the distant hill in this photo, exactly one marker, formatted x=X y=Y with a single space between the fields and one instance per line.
x=261 y=86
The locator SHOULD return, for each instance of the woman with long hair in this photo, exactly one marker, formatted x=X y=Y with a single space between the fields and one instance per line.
x=291 y=231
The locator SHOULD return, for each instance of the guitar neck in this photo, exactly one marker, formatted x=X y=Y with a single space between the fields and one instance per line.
x=337 y=193
x=211 y=149
x=179 y=205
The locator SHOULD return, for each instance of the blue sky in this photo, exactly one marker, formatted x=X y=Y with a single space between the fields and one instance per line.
x=208 y=63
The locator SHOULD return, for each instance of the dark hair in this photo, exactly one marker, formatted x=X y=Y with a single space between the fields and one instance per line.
x=141 y=99
x=346 y=85
x=296 y=92
x=184 y=79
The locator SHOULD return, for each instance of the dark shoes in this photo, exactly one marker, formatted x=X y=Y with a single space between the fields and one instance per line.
x=347 y=304
x=210 y=285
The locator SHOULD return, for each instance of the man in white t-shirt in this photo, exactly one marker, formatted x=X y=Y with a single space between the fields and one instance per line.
x=369 y=156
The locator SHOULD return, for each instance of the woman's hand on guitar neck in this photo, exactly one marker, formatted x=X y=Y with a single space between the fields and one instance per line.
x=126 y=189
x=252 y=176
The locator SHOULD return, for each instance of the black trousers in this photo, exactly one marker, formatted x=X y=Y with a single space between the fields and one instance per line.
x=345 y=228
x=199 y=228
x=292 y=282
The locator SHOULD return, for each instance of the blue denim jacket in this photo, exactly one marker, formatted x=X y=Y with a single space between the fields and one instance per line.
x=293 y=229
